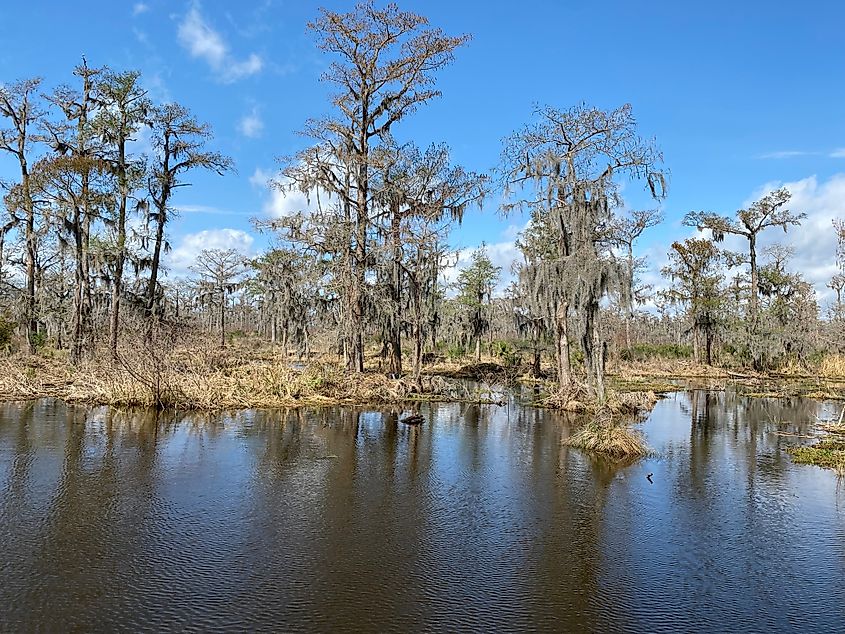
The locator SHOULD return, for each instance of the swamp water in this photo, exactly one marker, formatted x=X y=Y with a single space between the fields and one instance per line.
x=479 y=519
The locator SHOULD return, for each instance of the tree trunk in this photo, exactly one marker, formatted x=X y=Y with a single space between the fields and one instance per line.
x=752 y=252
x=394 y=328
x=117 y=285
x=78 y=291
x=535 y=366
x=362 y=222
x=696 y=342
x=30 y=317
x=152 y=284
x=593 y=348
x=222 y=318
x=600 y=348
x=564 y=365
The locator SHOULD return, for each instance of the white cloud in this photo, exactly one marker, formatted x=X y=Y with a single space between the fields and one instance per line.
x=183 y=256
x=203 y=42
x=251 y=125
x=784 y=154
x=156 y=87
x=280 y=203
x=141 y=142
x=142 y=37
x=139 y=8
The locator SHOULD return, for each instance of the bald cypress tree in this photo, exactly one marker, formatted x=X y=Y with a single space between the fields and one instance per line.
x=75 y=180
x=767 y=212
x=20 y=110
x=124 y=111
x=475 y=293
x=565 y=168
x=383 y=68
x=179 y=142
x=694 y=276
x=416 y=194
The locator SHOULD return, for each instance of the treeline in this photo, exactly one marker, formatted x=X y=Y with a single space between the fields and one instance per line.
x=364 y=267
x=88 y=207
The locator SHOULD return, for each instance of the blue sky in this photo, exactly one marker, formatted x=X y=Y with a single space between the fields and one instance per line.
x=739 y=95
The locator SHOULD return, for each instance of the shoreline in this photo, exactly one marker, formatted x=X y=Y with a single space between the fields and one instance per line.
x=211 y=380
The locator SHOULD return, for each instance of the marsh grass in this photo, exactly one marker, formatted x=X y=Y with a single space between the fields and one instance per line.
x=579 y=398
x=198 y=377
x=829 y=452
x=612 y=439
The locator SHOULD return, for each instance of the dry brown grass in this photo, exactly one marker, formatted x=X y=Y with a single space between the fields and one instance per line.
x=203 y=377
x=579 y=398
x=666 y=369
x=609 y=438
x=833 y=367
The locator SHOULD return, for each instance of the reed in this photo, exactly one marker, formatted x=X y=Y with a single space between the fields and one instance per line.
x=832 y=366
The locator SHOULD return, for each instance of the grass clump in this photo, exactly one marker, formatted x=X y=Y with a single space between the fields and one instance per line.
x=611 y=439
x=828 y=454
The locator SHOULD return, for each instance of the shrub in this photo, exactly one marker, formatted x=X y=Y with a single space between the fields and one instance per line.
x=508 y=354
x=39 y=339
x=7 y=330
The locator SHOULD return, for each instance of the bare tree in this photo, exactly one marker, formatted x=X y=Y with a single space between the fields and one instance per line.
x=221 y=273
x=178 y=147
x=626 y=232
x=837 y=282
x=18 y=105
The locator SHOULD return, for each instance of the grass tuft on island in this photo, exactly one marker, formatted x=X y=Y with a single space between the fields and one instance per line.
x=612 y=439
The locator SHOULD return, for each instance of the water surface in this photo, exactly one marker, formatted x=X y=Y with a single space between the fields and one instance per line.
x=342 y=519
